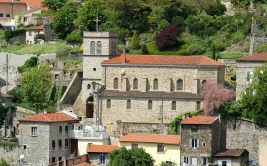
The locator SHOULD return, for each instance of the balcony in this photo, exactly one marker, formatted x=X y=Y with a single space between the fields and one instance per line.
x=88 y=132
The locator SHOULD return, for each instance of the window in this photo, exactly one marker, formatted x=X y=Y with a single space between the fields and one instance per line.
x=34 y=131
x=179 y=84
x=102 y=159
x=116 y=83
x=59 y=158
x=67 y=129
x=173 y=105
x=53 y=160
x=108 y=103
x=149 y=105
x=185 y=160
x=198 y=106
x=60 y=129
x=249 y=76
x=24 y=147
x=30 y=34
x=160 y=147
x=128 y=104
x=135 y=84
x=99 y=48
x=224 y=163
x=155 y=84
x=88 y=86
x=53 y=144
x=194 y=128
x=66 y=143
x=92 y=48
x=203 y=144
x=59 y=144
x=1 y=15
x=134 y=146
x=194 y=143
x=204 y=161
x=7 y=15
x=24 y=19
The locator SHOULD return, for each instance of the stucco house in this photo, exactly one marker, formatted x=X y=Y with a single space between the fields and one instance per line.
x=38 y=34
x=244 y=71
x=162 y=148
x=99 y=154
x=231 y=157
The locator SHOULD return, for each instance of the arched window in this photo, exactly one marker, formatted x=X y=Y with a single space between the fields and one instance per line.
x=173 y=105
x=116 y=83
x=108 y=103
x=135 y=83
x=179 y=84
x=150 y=105
x=128 y=104
x=92 y=48
x=99 y=48
x=155 y=84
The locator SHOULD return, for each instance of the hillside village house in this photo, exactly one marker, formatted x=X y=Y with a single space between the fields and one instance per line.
x=244 y=71
x=38 y=34
x=203 y=142
x=99 y=154
x=140 y=88
x=162 y=148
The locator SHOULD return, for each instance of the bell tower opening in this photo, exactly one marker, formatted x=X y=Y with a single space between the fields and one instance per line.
x=90 y=107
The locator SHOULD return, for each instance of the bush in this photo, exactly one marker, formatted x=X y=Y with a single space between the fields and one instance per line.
x=10 y=34
x=167 y=38
x=9 y=145
x=195 y=50
x=75 y=37
x=144 y=49
x=135 y=42
x=262 y=48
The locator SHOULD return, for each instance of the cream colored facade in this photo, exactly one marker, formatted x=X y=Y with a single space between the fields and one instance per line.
x=171 y=152
x=262 y=151
x=83 y=144
x=31 y=35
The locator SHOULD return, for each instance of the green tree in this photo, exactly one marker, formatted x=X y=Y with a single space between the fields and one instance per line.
x=175 y=124
x=133 y=157
x=62 y=22
x=75 y=37
x=32 y=62
x=135 y=42
x=254 y=98
x=35 y=86
x=3 y=113
x=54 y=4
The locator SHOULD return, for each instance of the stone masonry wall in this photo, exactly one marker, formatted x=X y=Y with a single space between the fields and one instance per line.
x=11 y=156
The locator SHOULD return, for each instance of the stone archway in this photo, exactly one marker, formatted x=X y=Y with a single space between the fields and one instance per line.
x=90 y=107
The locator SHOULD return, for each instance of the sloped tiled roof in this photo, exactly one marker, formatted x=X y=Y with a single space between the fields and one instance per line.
x=230 y=153
x=38 y=27
x=262 y=57
x=10 y=1
x=199 y=120
x=101 y=148
x=132 y=59
x=150 y=138
x=33 y=3
x=49 y=118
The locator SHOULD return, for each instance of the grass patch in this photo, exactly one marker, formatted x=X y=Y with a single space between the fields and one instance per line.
x=2 y=34
x=232 y=54
x=9 y=145
x=60 y=48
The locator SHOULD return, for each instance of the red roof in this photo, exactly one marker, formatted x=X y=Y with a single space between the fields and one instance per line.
x=38 y=27
x=11 y=1
x=49 y=118
x=33 y=3
x=199 y=120
x=101 y=148
x=262 y=57
x=162 y=60
x=231 y=153
x=150 y=138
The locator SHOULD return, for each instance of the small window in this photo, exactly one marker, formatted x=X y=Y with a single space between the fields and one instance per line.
x=155 y=84
x=249 y=77
x=59 y=158
x=116 y=83
x=30 y=34
x=135 y=84
x=92 y=48
x=160 y=147
x=185 y=160
x=24 y=147
x=34 y=131
x=224 y=163
x=7 y=15
x=24 y=19
x=99 y=48
x=88 y=86
x=1 y=15
x=66 y=143
x=150 y=105
x=108 y=103
x=53 y=144
x=67 y=129
x=173 y=105
x=203 y=144
x=204 y=161
x=179 y=85
x=59 y=144
x=194 y=128
x=194 y=143
x=198 y=106
x=128 y=104
x=94 y=69
x=134 y=146
x=102 y=159
x=60 y=129
x=53 y=160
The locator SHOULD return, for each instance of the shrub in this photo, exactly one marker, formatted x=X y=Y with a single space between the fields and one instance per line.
x=135 y=42
x=262 y=48
x=75 y=37
x=9 y=145
x=144 y=49
x=10 y=34
x=195 y=50
x=167 y=38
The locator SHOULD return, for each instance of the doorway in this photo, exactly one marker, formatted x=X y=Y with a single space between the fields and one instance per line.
x=90 y=107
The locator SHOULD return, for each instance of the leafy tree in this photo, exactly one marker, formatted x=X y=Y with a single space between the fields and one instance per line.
x=175 y=124
x=54 y=4
x=167 y=38
x=62 y=22
x=3 y=113
x=134 y=157
x=214 y=96
x=89 y=12
x=254 y=98
x=135 y=42
x=144 y=49
x=75 y=37
x=231 y=111
x=216 y=8
x=35 y=86
x=32 y=62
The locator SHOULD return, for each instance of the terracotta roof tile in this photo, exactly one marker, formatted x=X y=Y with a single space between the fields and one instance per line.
x=101 y=148
x=132 y=59
x=49 y=118
x=10 y=1
x=199 y=120
x=262 y=57
x=33 y=3
x=151 y=94
x=231 y=153
x=150 y=138
x=38 y=27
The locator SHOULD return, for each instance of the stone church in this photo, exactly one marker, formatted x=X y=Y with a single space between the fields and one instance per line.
x=136 y=89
